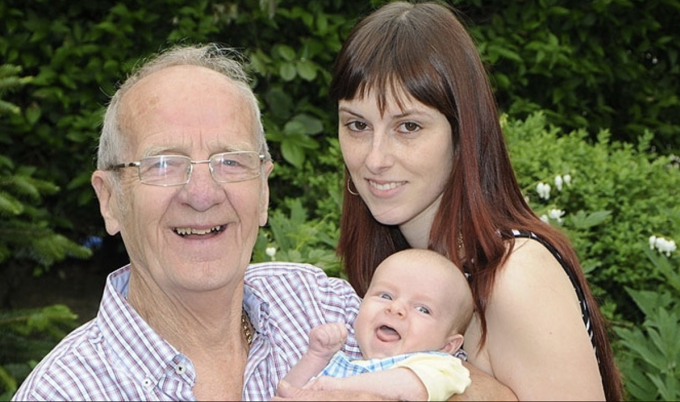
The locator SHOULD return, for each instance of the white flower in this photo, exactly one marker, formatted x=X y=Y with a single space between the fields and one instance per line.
x=558 y=182
x=664 y=246
x=271 y=252
x=544 y=218
x=543 y=190
x=567 y=179
x=556 y=214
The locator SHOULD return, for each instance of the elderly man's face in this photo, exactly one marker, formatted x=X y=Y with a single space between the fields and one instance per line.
x=198 y=236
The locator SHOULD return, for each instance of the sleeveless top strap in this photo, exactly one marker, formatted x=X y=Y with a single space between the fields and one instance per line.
x=577 y=287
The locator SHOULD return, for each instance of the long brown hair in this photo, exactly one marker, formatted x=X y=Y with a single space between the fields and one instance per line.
x=424 y=49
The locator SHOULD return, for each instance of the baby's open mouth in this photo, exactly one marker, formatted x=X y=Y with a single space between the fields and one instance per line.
x=387 y=334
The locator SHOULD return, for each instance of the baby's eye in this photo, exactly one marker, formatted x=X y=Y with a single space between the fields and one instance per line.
x=423 y=310
x=357 y=125
x=385 y=296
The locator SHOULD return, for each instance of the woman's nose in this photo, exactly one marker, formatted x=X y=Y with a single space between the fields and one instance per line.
x=380 y=155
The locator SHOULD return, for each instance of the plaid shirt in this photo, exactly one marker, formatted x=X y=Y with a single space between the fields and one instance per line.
x=118 y=356
x=342 y=366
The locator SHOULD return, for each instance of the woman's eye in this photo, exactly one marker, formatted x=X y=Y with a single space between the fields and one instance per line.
x=410 y=126
x=357 y=125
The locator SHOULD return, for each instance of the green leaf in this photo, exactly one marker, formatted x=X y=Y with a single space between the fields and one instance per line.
x=294 y=128
x=33 y=113
x=10 y=205
x=306 y=69
x=649 y=301
x=286 y=52
x=499 y=51
x=8 y=108
x=311 y=125
x=293 y=153
x=582 y=220
x=287 y=71
x=24 y=186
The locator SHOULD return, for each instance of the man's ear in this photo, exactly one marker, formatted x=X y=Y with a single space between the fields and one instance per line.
x=108 y=204
x=264 y=200
x=453 y=343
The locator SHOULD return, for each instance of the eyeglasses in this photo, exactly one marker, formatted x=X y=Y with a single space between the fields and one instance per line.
x=175 y=170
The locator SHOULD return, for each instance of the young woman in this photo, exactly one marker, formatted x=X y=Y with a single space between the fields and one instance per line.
x=427 y=167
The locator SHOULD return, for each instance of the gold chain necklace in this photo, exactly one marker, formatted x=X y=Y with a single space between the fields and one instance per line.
x=245 y=321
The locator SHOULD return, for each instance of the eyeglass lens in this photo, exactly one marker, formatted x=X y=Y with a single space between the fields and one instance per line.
x=169 y=170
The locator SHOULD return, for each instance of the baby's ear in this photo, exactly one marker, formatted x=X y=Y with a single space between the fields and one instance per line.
x=453 y=343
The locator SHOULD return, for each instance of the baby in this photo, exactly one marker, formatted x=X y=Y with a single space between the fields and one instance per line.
x=411 y=321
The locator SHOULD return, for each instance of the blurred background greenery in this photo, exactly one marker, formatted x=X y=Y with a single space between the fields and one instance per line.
x=588 y=90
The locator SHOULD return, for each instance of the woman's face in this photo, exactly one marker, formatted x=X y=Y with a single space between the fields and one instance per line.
x=399 y=160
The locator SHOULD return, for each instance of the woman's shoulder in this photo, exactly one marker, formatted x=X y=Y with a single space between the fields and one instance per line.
x=532 y=272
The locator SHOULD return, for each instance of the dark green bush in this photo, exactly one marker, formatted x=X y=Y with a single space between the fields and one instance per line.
x=619 y=196
x=605 y=72
x=586 y=64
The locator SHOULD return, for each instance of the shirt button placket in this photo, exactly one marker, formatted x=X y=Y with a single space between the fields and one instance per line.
x=148 y=383
x=180 y=369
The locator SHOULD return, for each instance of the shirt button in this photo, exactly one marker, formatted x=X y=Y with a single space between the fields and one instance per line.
x=180 y=369
x=147 y=383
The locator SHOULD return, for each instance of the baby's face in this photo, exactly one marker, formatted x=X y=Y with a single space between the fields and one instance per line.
x=411 y=306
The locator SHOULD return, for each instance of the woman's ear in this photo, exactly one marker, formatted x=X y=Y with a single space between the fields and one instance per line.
x=108 y=204
x=453 y=343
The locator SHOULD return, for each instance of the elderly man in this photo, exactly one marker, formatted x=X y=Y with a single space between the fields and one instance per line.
x=182 y=176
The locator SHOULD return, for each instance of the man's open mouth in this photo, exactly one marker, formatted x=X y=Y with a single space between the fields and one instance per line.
x=199 y=232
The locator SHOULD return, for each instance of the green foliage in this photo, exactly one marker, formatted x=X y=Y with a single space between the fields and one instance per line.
x=27 y=336
x=10 y=80
x=650 y=353
x=605 y=72
x=296 y=238
x=26 y=234
x=617 y=197
x=79 y=51
x=26 y=231
x=607 y=64
x=586 y=64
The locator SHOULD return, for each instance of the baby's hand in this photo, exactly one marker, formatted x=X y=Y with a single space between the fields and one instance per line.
x=326 y=339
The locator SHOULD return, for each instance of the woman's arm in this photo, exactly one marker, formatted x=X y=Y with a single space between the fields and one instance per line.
x=287 y=392
x=537 y=343
x=399 y=384
x=483 y=388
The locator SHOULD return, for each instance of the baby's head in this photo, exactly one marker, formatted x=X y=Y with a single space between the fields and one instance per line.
x=418 y=300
